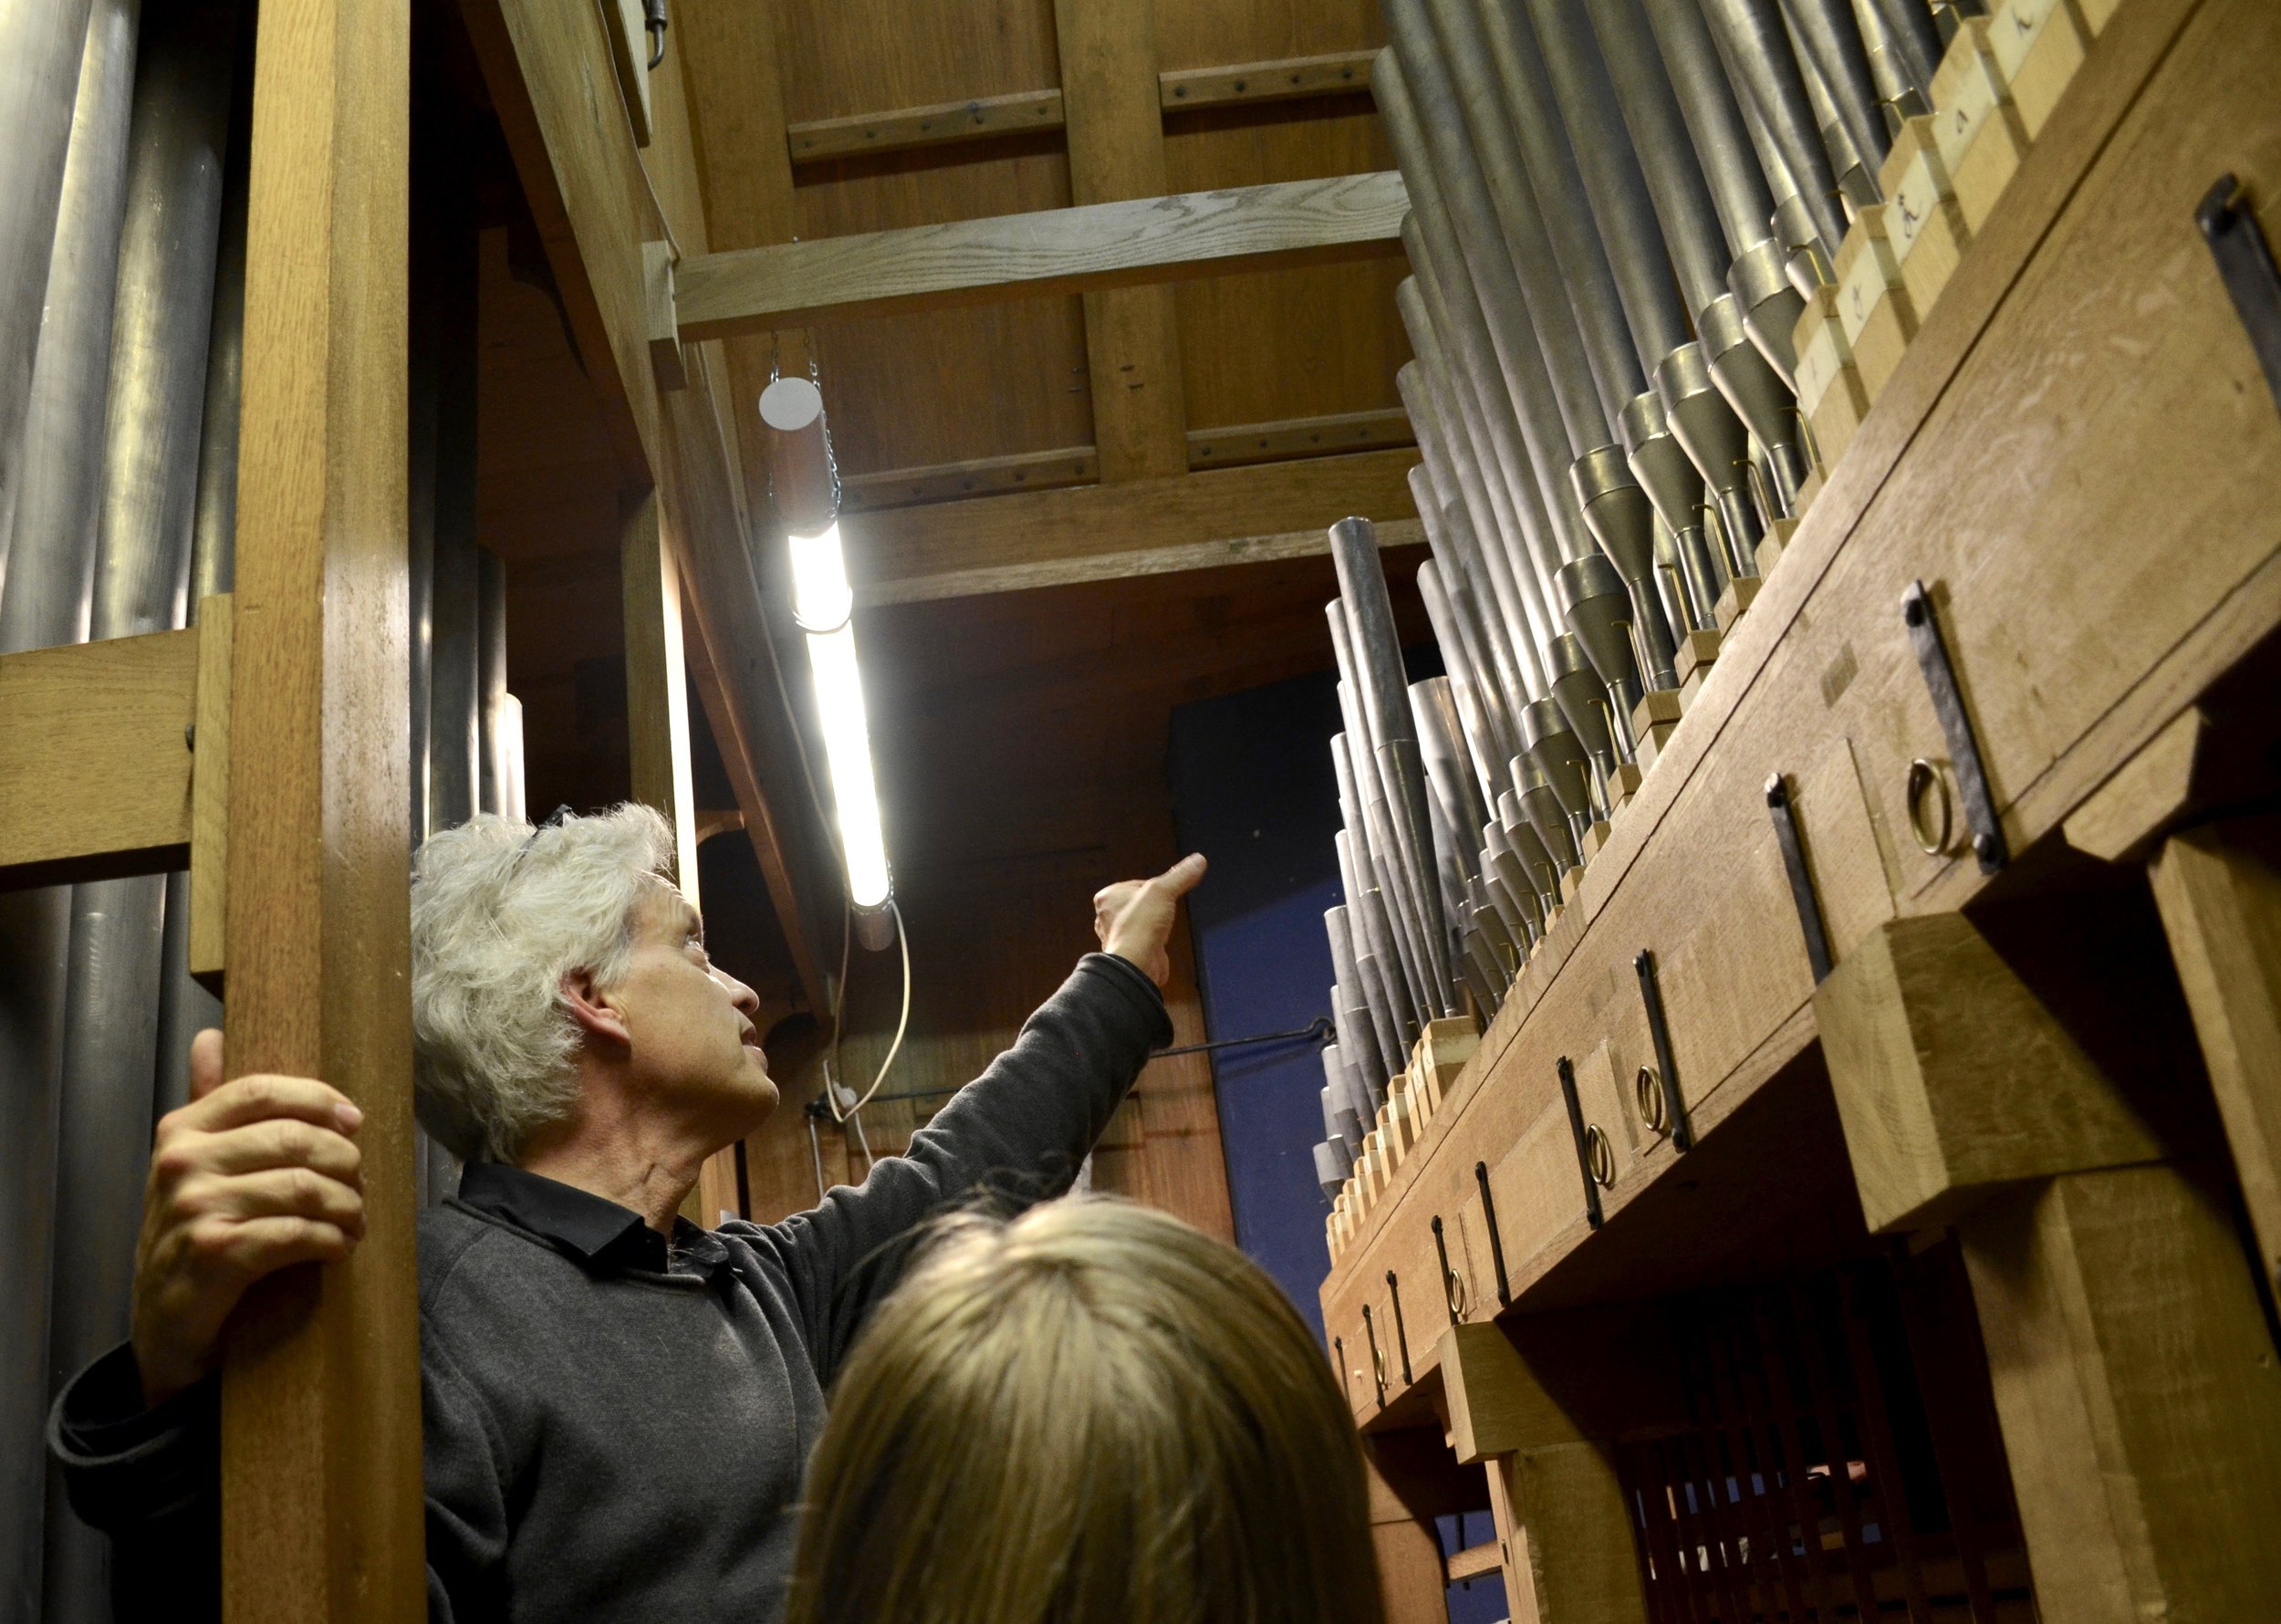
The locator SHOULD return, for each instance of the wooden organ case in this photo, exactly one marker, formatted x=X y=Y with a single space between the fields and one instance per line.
x=1934 y=1280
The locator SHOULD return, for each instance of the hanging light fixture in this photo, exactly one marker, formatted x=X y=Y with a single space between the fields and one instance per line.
x=804 y=485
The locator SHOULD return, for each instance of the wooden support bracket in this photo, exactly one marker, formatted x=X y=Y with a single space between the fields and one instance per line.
x=1953 y=1079
x=128 y=740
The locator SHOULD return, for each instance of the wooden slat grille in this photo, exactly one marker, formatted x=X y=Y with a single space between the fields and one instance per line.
x=1835 y=1465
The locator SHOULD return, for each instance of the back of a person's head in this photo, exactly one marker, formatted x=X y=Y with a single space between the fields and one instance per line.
x=1092 y=1415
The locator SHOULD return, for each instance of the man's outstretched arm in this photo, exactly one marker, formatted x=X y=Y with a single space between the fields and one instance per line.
x=1019 y=1131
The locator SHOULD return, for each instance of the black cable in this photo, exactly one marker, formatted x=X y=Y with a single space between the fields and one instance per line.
x=1319 y=1029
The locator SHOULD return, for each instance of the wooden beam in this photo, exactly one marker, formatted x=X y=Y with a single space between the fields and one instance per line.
x=1021 y=113
x=1335 y=73
x=1109 y=85
x=961 y=547
x=1175 y=559
x=320 y=1463
x=1233 y=446
x=1075 y=250
x=103 y=730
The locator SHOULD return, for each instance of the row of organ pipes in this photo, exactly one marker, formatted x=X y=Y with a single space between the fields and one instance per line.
x=123 y=218
x=1618 y=211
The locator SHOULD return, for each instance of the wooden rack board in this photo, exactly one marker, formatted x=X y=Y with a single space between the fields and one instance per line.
x=2077 y=454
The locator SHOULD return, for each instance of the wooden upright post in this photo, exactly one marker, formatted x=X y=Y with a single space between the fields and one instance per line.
x=2135 y=1380
x=1528 y=1416
x=657 y=682
x=657 y=728
x=2219 y=889
x=1115 y=117
x=321 y=1504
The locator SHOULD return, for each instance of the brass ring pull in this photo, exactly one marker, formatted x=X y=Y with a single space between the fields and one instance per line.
x=1646 y=1093
x=1454 y=1292
x=1601 y=1156
x=1923 y=776
x=1378 y=1369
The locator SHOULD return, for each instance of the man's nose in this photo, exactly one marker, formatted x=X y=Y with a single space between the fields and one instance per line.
x=743 y=996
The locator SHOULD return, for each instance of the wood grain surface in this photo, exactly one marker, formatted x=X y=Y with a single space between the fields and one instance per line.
x=1058 y=251
x=321 y=1500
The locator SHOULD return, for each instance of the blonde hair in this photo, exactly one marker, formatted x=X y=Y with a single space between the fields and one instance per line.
x=1091 y=1415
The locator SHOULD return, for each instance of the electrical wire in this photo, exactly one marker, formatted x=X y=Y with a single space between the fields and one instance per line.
x=902 y=1022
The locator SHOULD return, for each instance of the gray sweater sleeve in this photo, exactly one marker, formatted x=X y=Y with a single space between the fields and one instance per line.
x=1013 y=1136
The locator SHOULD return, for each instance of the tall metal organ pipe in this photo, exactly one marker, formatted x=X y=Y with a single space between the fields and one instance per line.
x=1524 y=566
x=63 y=86
x=1756 y=45
x=1592 y=597
x=1451 y=533
x=1584 y=361
x=1832 y=37
x=160 y=322
x=41 y=44
x=1586 y=484
x=1628 y=207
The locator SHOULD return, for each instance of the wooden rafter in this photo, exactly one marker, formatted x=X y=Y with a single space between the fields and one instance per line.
x=1231 y=446
x=1145 y=527
x=1077 y=250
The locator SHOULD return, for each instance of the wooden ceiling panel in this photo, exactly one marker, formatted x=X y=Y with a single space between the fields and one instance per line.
x=1303 y=342
x=1218 y=33
x=848 y=56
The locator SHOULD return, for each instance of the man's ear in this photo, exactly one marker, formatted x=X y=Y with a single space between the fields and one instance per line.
x=597 y=1012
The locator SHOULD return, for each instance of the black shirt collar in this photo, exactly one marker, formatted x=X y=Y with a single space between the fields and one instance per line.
x=594 y=1228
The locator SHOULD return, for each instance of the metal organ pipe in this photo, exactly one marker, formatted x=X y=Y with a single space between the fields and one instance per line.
x=1522 y=567
x=64 y=87
x=41 y=45
x=1592 y=601
x=1756 y=48
x=1831 y=36
x=160 y=321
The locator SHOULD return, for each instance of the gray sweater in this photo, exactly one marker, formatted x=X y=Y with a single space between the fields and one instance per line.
x=615 y=1428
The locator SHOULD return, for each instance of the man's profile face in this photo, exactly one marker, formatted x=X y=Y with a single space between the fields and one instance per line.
x=691 y=1023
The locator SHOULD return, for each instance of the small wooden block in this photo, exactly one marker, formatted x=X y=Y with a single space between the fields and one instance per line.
x=1838 y=416
x=1694 y=684
x=1811 y=486
x=1657 y=705
x=660 y=324
x=1595 y=837
x=210 y=795
x=2038 y=46
x=1821 y=348
x=1740 y=593
x=1777 y=541
x=1443 y=1047
x=1571 y=883
x=1987 y=165
x=2094 y=15
x=1696 y=650
x=1651 y=742
x=1873 y=304
x=1922 y=222
x=630 y=58
x=1627 y=780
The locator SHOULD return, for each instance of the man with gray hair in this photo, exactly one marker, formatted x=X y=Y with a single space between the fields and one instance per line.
x=617 y=1404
